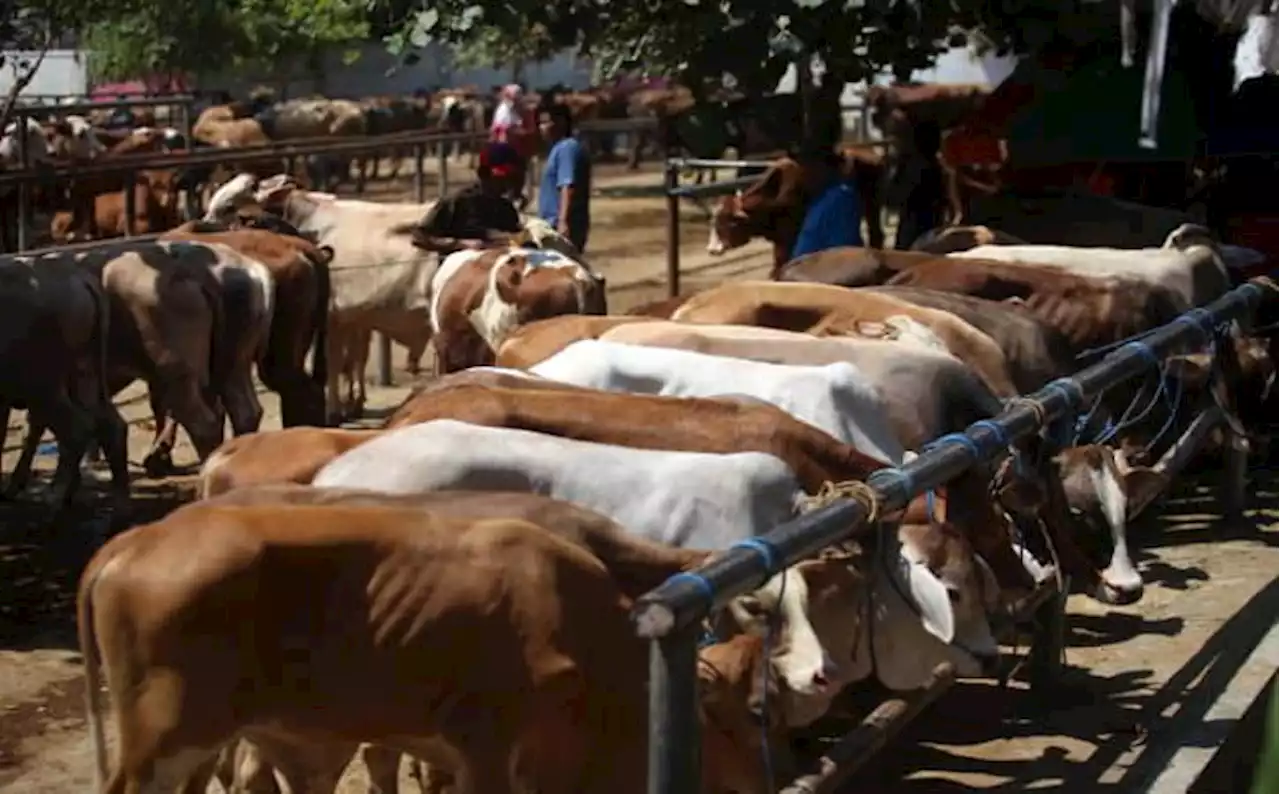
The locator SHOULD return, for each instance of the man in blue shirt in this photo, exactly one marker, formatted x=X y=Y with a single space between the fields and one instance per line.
x=833 y=216
x=565 y=191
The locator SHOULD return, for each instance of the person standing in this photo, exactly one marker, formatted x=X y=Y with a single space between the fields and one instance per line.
x=833 y=216
x=565 y=191
x=506 y=116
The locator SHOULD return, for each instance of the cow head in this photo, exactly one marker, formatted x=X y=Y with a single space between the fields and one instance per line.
x=811 y=612
x=736 y=684
x=1098 y=491
x=772 y=208
x=526 y=285
x=237 y=192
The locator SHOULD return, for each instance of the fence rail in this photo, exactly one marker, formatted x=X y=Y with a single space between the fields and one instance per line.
x=669 y=616
x=300 y=147
x=185 y=100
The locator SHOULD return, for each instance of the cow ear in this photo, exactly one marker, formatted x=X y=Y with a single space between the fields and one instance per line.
x=1191 y=369
x=930 y=596
x=750 y=613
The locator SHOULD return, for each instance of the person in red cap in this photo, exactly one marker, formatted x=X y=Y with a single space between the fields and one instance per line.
x=479 y=215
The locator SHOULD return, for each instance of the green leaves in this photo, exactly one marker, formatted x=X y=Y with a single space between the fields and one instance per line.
x=214 y=35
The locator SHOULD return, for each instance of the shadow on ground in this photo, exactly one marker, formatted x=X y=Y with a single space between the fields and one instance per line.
x=41 y=557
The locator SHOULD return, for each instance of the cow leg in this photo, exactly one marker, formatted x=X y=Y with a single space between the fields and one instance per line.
x=241 y=401
x=383 y=765
x=112 y=435
x=73 y=428
x=159 y=459
x=22 y=469
x=183 y=401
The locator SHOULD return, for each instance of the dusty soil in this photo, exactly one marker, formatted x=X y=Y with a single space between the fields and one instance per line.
x=1134 y=674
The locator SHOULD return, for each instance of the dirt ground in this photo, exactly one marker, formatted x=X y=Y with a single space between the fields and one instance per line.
x=1135 y=678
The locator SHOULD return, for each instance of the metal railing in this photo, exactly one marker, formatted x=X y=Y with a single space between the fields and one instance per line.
x=670 y=616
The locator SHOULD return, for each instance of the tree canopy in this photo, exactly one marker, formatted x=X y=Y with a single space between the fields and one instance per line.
x=193 y=36
x=752 y=40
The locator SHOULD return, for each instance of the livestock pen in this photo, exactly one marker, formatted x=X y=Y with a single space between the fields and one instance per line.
x=41 y=739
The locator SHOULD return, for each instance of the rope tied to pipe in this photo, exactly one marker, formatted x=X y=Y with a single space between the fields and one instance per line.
x=831 y=492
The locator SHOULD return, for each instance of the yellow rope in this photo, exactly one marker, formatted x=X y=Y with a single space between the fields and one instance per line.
x=852 y=489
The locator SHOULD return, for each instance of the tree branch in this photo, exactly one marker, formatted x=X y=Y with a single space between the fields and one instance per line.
x=22 y=77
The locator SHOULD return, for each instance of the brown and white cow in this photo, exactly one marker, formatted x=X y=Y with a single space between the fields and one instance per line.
x=299 y=320
x=168 y=327
x=822 y=308
x=529 y=344
x=479 y=297
x=559 y=681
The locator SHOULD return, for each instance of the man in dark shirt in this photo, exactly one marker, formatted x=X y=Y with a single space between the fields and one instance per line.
x=480 y=215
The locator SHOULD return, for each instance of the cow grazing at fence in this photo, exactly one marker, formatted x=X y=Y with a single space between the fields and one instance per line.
x=559 y=680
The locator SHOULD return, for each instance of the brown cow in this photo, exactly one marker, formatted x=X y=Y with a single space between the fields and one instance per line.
x=774 y=207
x=818 y=307
x=155 y=209
x=300 y=273
x=560 y=681
x=479 y=297
x=529 y=344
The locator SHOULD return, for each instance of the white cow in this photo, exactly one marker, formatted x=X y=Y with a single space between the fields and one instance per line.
x=835 y=398
x=702 y=500
x=380 y=281
x=928 y=394
x=1189 y=264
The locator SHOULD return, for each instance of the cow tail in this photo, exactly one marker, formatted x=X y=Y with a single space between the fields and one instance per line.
x=92 y=666
x=102 y=354
x=320 y=345
x=221 y=354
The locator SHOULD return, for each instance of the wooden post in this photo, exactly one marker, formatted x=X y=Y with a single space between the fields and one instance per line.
x=419 y=175
x=130 y=202
x=671 y=181
x=1236 y=475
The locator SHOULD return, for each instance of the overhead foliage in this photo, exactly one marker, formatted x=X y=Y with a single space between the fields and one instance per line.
x=753 y=40
x=195 y=36
x=30 y=28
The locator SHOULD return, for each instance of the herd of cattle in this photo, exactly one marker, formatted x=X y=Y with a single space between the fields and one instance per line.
x=83 y=208
x=455 y=585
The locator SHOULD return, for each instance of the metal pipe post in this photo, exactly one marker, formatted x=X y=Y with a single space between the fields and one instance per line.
x=674 y=740
x=442 y=178
x=1049 y=640
x=384 y=360
x=671 y=181
x=24 y=191
x=1236 y=474
x=419 y=175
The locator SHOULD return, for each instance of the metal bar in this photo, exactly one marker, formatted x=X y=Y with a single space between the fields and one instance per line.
x=681 y=601
x=1236 y=476
x=88 y=107
x=674 y=765
x=712 y=189
x=1049 y=638
x=671 y=181
x=692 y=163
x=872 y=734
x=302 y=147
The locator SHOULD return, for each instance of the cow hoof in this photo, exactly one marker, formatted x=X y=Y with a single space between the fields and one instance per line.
x=157 y=465
x=1116 y=596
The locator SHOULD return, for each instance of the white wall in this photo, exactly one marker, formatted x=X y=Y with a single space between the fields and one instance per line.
x=62 y=72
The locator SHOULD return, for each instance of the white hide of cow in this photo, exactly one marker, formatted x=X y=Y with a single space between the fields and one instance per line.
x=85 y=143
x=235 y=193
x=37 y=147
x=1189 y=264
x=706 y=501
x=494 y=318
x=835 y=398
